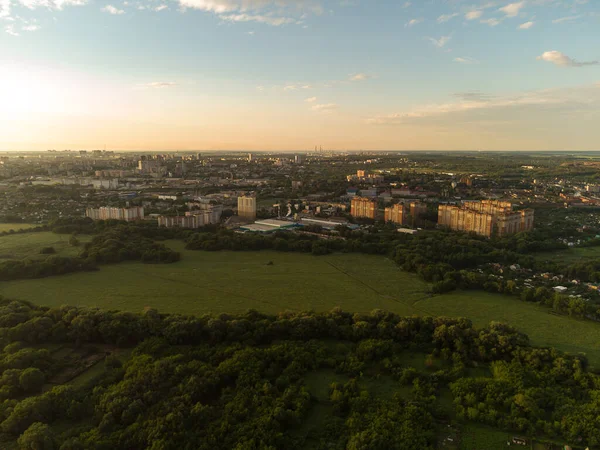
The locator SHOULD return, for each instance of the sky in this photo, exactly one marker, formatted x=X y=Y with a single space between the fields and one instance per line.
x=292 y=74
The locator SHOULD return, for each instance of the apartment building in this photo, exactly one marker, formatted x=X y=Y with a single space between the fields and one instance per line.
x=247 y=207
x=486 y=218
x=395 y=214
x=108 y=213
x=363 y=207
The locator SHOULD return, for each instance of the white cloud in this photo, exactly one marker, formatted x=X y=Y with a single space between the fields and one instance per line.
x=441 y=42
x=473 y=15
x=270 y=12
x=359 y=77
x=446 y=17
x=30 y=27
x=465 y=60
x=413 y=22
x=260 y=88
x=10 y=29
x=491 y=22
x=159 y=84
x=112 y=10
x=572 y=99
x=269 y=20
x=407 y=5
x=526 y=25
x=311 y=100
x=512 y=9
x=56 y=5
x=560 y=59
x=4 y=8
x=251 y=33
x=160 y=8
x=290 y=87
x=566 y=19
x=324 y=108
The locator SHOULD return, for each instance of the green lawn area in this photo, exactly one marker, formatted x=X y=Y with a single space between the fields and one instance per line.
x=543 y=328
x=571 y=255
x=233 y=282
x=16 y=226
x=478 y=437
x=28 y=245
x=225 y=282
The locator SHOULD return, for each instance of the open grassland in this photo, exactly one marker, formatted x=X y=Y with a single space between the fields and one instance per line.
x=480 y=437
x=16 y=226
x=542 y=327
x=28 y=245
x=571 y=255
x=228 y=282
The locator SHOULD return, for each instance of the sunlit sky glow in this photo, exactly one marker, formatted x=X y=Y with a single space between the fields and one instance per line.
x=292 y=74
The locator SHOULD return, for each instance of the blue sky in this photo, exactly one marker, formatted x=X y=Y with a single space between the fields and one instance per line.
x=285 y=74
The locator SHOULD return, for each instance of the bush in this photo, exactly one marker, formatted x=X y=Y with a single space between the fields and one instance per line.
x=47 y=251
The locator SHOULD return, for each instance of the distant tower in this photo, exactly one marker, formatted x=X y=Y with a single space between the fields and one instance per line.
x=249 y=157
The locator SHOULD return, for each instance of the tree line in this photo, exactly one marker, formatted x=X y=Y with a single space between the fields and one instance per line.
x=242 y=382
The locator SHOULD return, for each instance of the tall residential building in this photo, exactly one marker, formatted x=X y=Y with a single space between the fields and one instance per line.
x=299 y=159
x=395 y=214
x=363 y=207
x=487 y=218
x=416 y=210
x=247 y=207
x=108 y=213
x=249 y=157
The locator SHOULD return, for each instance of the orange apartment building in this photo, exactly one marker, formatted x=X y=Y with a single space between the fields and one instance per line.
x=363 y=207
x=486 y=218
x=395 y=214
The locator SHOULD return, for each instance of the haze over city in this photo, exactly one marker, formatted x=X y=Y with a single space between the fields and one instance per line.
x=287 y=75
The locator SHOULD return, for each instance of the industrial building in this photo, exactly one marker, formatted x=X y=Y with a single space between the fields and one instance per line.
x=269 y=226
x=486 y=218
x=247 y=207
x=108 y=213
x=363 y=207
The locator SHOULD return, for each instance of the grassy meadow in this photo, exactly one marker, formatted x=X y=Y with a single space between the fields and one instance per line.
x=571 y=255
x=28 y=245
x=233 y=282
x=16 y=226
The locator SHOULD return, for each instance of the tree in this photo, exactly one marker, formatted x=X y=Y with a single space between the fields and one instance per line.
x=32 y=379
x=38 y=436
x=73 y=241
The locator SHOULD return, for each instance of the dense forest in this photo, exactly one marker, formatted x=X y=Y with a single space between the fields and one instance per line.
x=257 y=381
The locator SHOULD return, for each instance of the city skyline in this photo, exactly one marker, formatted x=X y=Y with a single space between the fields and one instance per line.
x=288 y=75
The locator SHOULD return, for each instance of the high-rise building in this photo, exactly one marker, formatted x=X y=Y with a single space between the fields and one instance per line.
x=395 y=214
x=487 y=218
x=247 y=207
x=299 y=159
x=363 y=207
x=416 y=210
x=108 y=213
x=249 y=157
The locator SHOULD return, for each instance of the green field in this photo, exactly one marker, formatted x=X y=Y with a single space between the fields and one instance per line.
x=227 y=282
x=475 y=437
x=570 y=256
x=28 y=245
x=15 y=226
